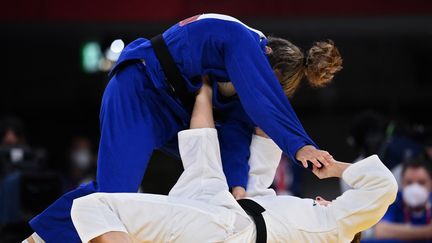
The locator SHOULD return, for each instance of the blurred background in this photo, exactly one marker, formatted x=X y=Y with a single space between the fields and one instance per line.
x=56 y=56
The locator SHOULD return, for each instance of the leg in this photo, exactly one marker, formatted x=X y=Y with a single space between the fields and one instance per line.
x=127 y=133
x=146 y=218
x=134 y=121
x=153 y=218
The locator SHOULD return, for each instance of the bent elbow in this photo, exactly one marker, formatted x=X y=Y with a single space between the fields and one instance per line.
x=81 y=205
x=391 y=189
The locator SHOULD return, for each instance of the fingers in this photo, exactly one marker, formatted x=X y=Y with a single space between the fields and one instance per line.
x=317 y=157
x=317 y=171
x=326 y=159
x=238 y=192
x=315 y=162
x=304 y=163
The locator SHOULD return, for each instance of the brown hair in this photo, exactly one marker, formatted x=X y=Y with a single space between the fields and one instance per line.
x=289 y=63
x=357 y=238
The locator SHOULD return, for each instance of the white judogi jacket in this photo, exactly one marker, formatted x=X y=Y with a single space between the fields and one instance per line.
x=200 y=208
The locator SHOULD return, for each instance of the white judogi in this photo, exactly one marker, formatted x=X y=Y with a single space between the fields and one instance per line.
x=200 y=209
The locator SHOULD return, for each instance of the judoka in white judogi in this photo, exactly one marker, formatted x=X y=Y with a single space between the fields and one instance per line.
x=199 y=208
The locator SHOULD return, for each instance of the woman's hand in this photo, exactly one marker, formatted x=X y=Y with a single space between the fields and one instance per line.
x=238 y=192
x=335 y=169
x=314 y=155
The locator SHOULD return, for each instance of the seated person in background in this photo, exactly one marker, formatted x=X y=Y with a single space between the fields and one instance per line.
x=11 y=134
x=409 y=217
x=199 y=208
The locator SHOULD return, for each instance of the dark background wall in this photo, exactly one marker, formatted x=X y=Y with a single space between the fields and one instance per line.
x=386 y=47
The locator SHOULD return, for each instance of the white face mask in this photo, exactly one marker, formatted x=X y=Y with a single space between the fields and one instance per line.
x=81 y=158
x=415 y=195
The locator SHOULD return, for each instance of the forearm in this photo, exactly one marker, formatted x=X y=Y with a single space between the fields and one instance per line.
x=339 y=168
x=262 y=96
x=385 y=230
x=202 y=115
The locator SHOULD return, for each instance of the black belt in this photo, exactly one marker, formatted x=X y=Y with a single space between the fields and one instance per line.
x=172 y=73
x=255 y=211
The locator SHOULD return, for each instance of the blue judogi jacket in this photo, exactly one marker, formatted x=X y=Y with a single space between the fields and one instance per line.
x=228 y=51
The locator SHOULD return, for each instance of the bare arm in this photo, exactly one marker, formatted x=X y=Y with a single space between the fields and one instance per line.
x=334 y=169
x=387 y=230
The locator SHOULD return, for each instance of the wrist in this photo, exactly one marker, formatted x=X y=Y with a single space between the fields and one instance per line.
x=340 y=168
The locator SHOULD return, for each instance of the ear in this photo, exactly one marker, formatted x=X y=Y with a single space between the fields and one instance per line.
x=268 y=50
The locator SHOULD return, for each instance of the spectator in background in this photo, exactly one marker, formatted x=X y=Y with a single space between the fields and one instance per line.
x=82 y=162
x=288 y=178
x=408 y=219
x=11 y=134
x=12 y=131
x=367 y=134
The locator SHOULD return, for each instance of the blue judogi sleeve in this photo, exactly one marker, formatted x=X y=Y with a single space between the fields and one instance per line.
x=260 y=92
x=235 y=135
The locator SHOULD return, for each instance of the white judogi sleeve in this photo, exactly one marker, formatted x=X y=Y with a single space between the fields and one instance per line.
x=203 y=176
x=263 y=161
x=374 y=189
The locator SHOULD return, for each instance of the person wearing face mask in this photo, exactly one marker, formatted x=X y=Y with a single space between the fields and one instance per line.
x=409 y=218
x=82 y=164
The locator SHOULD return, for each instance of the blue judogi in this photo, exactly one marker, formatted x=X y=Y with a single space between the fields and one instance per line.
x=139 y=114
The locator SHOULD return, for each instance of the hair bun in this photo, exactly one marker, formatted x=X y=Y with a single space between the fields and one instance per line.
x=322 y=62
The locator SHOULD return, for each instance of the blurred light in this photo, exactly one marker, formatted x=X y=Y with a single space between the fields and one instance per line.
x=117 y=46
x=114 y=51
x=91 y=55
x=105 y=65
